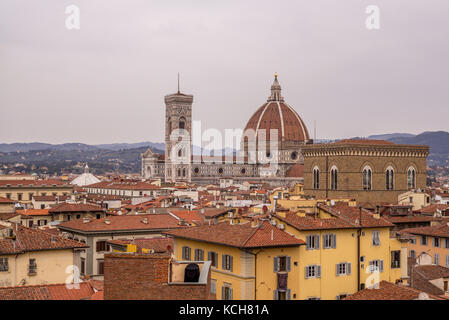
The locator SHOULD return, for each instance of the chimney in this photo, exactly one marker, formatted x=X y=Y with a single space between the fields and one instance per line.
x=254 y=224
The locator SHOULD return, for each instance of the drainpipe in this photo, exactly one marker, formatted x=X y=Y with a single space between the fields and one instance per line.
x=255 y=271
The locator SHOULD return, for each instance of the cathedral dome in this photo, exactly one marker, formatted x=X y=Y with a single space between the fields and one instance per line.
x=276 y=114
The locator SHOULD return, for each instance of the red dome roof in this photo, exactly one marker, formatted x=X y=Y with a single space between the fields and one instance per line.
x=276 y=114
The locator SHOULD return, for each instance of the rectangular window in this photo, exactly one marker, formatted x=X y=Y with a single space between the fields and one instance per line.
x=101 y=246
x=343 y=268
x=313 y=242
x=19 y=196
x=413 y=241
x=213 y=286
x=199 y=255
x=4 y=264
x=32 y=267
x=446 y=243
x=100 y=267
x=213 y=257
x=313 y=271
x=395 y=259
x=83 y=266
x=376 y=238
x=447 y=261
x=226 y=292
x=376 y=265
x=424 y=240
x=282 y=264
x=330 y=241
x=227 y=262
x=436 y=259
x=436 y=242
x=185 y=253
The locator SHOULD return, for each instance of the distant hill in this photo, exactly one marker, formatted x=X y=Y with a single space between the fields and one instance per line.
x=391 y=136
x=125 y=157
x=438 y=141
x=36 y=146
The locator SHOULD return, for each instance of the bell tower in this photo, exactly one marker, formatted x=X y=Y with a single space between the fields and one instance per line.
x=178 y=137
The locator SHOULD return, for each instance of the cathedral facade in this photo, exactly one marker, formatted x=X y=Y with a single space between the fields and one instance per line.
x=271 y=146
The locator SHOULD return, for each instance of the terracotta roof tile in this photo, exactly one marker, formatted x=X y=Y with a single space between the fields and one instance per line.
x=27 y=239
x=388 y=291
x=239 y=235
x=119 y=223
x=76 y=207
x=47 y=292
x=437 y=231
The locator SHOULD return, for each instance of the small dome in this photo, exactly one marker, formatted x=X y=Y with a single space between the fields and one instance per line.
x=276 y=114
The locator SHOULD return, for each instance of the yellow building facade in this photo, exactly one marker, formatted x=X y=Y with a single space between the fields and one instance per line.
x=343 y=259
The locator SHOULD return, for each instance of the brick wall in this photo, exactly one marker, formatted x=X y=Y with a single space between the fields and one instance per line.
x=145 y=277
x=350 y=176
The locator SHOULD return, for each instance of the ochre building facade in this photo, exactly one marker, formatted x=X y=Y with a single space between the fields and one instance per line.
x=366 y=170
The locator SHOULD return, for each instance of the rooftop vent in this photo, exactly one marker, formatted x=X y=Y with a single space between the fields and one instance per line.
x=145 y=220
x=107 y=221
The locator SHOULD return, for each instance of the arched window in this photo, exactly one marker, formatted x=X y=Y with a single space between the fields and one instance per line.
x=389 y=178
x=411 y=178
x=184 y=172
x=316 y=178
x=366 y=178
x=179 y=172
x=334 y=178
x=180 y=153
x=182 y=123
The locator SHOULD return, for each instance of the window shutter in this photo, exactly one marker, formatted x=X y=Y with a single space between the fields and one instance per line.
x=317 y=242
x=336 y=269
x=223 y=262
x=318 y=271
x=381 y=262
x=306 y=273
x=334 y=242
x=276 y=264
x=348 y=267
x=289 y=294
x=230 y=293
x=289 y=264
x=209 y=256
x=308 y=238
x=230 y=262
x=275 y=294
x=223 y=293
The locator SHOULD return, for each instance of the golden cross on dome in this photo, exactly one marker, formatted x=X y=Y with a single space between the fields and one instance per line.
x=275 y=75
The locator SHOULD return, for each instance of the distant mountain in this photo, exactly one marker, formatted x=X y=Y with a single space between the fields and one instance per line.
x=391 y=136
x=125 y=146
x=438 y=141
x=37 y=146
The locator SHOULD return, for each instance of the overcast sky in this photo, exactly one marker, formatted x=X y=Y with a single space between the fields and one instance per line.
x=105 y=82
